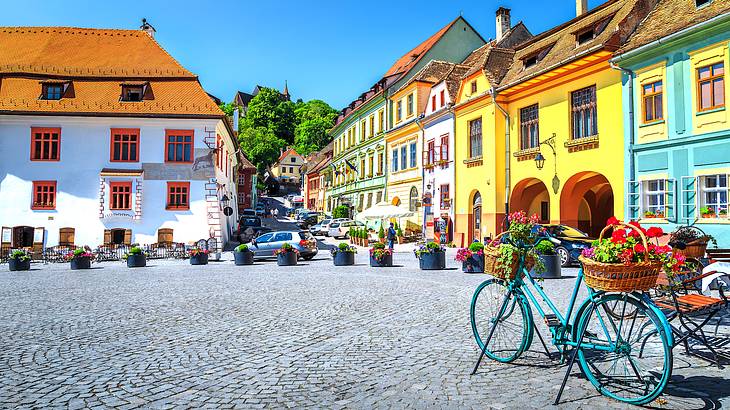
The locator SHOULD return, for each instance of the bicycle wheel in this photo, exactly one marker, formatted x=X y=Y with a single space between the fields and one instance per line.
x=513 y=325
x=626 y=357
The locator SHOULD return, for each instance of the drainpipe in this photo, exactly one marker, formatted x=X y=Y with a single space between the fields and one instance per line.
x=423 y=173
x=632 y=162
x=493 y=93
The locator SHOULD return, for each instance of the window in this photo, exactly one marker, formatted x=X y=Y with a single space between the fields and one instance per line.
x=178 y=195
x=45 y=144
x=291 y=170
x=362 y=168
x=475 y=138
x=124 y=145
x=403 y=157
x=378 y=197
x=410 y=104
x=283 y=170
x=132 y=93
x=179 y=146
x=445 y=196
x=529 y=130
x=473 y=87
x=585 y=36
x=430 y=154
x=371 y=165
x=700 y=3
x=413 y=154
x=121 y=195
x=714 y=194
x=433 y=103
x=372 y=126
x=281 y=237
x=444 y=154
x=52 y=91
x=398 y=110
x=530 y=61
x=652 y=96
x=442 y=96
x=655 y=198
x=66 y=236
x=584 y=112
x=362 y=131
x=293 y=159
x=395 y=160
x=381 y=121
x=544 y=211
x=711 y=87
x=380 y=163
x=413 y=199
x=44 y=195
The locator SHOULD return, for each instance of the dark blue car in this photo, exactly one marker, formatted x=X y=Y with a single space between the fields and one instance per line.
x=572 y=241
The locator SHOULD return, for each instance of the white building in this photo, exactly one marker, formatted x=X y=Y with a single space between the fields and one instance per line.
x=438 y=146
x=106 y=139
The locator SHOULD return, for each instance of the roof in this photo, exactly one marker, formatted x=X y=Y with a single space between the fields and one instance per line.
x=662 y=20
x=245 y=163
x=453 y=79
x=433 y=72
x=286 y=153
x=495 y=57
x=411 y=58
x=612 y=21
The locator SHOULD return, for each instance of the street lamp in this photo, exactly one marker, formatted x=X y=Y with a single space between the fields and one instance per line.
x=540 y=161
x=225 y=200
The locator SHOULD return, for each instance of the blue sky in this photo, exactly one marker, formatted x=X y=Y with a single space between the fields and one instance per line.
x=330 y=50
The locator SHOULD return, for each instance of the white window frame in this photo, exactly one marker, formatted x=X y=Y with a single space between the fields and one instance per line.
x=661 y=194
x=703 y=190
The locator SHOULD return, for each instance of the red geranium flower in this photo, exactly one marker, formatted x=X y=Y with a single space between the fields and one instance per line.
x=612 y=221
x=618 y=236
x=654 y=232
x=639 y=248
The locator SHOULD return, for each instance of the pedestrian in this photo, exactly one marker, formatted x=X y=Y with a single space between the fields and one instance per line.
x=391 y=236
x=276 y=214
x=271 y=213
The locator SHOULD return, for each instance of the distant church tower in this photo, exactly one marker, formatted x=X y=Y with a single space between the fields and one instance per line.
x=286 y=91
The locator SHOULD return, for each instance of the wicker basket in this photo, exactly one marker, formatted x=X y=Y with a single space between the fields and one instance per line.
x=617 y=277
x=695 y=249
x=494 y=268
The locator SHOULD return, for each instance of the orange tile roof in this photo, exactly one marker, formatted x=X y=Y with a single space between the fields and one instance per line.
x=411 y=58
x=287 y=152
x=95 y=62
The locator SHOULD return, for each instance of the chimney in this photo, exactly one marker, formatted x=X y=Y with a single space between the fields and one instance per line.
x=147 y=28
x=581 y=6
x=503 y=23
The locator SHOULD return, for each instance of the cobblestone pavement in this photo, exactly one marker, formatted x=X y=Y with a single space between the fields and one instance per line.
x=222 y=336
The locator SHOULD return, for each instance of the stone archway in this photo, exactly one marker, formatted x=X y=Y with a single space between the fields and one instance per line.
x=586 y=202
x=531 y=195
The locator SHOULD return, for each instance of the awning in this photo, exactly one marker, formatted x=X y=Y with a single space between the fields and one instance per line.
x=383 y=210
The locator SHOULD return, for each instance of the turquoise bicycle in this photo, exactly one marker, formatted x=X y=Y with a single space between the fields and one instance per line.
x=622 y=341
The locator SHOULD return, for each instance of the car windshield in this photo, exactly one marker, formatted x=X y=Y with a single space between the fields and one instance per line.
x=325 y=222
x=570 y=231
x=306 y=235
x=250 y=221
x=335 y=225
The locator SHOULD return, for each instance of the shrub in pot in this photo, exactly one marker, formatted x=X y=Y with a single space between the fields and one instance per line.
x=136 y=258
x=550 y=260
x=380 y=256
x=242 y=255
x=198 y=256
x=381 y=234
x=471 y=258
x=19 y=260
x=286 y=255
x=399 y=234
x=80 y=258
x=343 y=255
x=431 y=256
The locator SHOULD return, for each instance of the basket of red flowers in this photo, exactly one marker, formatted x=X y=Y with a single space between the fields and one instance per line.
x=627 y=261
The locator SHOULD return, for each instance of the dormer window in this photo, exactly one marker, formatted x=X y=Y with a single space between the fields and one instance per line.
x=702 y=3
x=585 y=36
x=133 y=92
x=53 y=89
x=531 y=61
x=536 y=57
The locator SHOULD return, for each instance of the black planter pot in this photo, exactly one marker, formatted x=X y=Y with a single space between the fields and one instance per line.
x=432 y=261
x=136 y=261
x=243 y=258
x=199 y=259
x=552 y=268
x=386 y=262
x=17 y=264
x=286 y=259
x=80 y=263
x=344 y=258
x=475 y=264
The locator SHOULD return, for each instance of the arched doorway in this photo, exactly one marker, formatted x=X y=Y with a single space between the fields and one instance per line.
x=531 y=195
x=412 y=199
x=586 y=202
x=475 y=217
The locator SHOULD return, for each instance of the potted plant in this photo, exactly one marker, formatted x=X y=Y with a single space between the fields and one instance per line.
x=471 y=258
x=19 y=260
x=343 y=255
x=723 y=213
x=550 y=260
x=365 y=240
x=381 y=234
x=80 y=258
x=198 y=256
x=351 y=235
x=136 y=257
x=659 y=213
x=691 y=242
x=242 y=255
x=502 y=258
x=431 y=256
x=286 y=255
x=649 y=214
x=380 y=256
x=399 y=234
x=707 y=212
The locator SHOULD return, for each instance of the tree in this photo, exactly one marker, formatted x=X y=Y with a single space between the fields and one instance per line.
x=268 y=109
x=261 y=146
x=314 y=119
x=341 y=211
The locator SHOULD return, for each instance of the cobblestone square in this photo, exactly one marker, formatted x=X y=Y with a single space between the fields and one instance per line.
x=221 y=336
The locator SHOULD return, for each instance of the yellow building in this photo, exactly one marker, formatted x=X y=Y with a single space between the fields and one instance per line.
x=288 y=168
x=562 y=100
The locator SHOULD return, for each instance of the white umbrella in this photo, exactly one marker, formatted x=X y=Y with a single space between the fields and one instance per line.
x=383 y=210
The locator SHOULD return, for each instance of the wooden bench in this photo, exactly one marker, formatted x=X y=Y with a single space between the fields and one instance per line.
x=718 y=254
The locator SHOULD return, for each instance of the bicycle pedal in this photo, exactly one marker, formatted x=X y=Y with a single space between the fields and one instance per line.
x=551 y=320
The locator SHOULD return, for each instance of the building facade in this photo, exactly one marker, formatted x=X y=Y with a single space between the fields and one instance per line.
x=247 y=178
x=678 y=162
x=91 y=156
x=288 y=168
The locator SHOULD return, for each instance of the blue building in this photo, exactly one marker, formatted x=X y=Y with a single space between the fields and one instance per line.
x=677 y=129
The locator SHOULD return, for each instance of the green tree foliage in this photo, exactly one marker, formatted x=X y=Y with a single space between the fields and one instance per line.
x=261 y=146
x=341 y=212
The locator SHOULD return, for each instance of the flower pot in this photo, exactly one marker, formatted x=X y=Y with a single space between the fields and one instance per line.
x=199 y=259
x=343 y=258
x=401 y=240
x=475 y=264
x=80 y=263
x=243 y=258
x=708 y=215
x=432 y=261
x=286 y=259
x=552 y=268
x=17 y=264
x=136 y=261
x=385 y=262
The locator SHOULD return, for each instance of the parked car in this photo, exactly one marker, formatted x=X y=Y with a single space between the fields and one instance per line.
x=569 y=242
x=248 y=212
x=325 y=225
x=303 y=241
x=250 y=227
x=309 y=220
x=260 y=210
x=342 y=229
